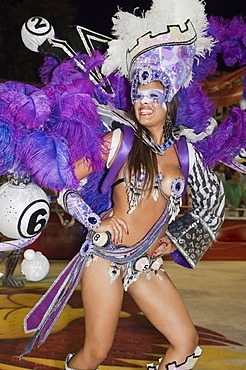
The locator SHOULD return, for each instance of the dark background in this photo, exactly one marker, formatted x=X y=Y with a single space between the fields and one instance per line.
x=20 y=64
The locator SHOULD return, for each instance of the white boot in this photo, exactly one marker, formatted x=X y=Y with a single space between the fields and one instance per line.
x=152 y=367
x=187 y=365
x=68 y=359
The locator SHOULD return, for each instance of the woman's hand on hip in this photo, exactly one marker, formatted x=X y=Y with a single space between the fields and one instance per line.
x=166 y=247
x=116 y=226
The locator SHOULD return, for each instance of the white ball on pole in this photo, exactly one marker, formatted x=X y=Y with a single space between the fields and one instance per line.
x=35 y=31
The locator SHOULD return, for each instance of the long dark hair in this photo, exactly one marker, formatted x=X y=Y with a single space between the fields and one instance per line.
x=141 y=156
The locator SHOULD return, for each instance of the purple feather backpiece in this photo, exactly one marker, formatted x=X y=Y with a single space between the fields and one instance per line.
x=226 y=142
x=45 y=129
x=7 y=146
x=47 y=69
x=47 y=159
x=231 y=44
x=195 y=108
x=31 y=111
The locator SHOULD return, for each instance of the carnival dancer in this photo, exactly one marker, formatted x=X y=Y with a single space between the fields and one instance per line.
x=144 y=203
x=124 y=246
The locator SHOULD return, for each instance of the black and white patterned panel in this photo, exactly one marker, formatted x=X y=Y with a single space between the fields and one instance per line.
x=207 y=196
x=193 y=233
x=190 y=237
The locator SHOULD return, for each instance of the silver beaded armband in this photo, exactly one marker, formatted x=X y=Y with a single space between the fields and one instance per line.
x=73 y=204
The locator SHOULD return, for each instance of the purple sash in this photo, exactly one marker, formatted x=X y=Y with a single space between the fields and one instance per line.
x=120 y=158
x=42 y=318
x=183 y=155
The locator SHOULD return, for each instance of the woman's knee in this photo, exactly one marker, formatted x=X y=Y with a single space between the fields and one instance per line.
x=193 y=339
x=188 y=342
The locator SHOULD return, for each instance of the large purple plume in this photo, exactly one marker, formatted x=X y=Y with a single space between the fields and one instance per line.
x=18 y=87
x=91 y=192
x=195 y=108
x=74 y=116
x=7 y=146
x=231 y=45
x=47 y=159
x=31 y=110
x=47 y=69
x=226 y=142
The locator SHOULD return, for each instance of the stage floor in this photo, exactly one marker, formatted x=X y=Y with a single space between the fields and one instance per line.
x=214 y=293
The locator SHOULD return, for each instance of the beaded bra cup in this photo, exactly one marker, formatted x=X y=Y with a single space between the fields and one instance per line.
x=136 y=191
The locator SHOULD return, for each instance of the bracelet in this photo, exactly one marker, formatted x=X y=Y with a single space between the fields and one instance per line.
x=73 y=204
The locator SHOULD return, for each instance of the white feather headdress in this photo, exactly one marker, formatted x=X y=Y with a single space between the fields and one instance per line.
x=168 y=25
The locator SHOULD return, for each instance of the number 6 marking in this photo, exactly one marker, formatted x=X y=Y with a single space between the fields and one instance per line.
x=34 y=218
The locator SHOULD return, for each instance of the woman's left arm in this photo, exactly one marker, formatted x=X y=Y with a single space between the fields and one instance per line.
x=193 y=233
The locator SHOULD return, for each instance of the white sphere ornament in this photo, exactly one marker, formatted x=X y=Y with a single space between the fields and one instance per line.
x=25 y=210
x=243 y=104
x=243 y=153
x=35 y=31
x=34 y=266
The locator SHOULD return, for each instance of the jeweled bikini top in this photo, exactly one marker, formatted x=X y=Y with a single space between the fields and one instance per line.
x=136 y=191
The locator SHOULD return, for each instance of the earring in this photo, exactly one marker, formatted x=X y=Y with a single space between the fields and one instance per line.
x=168 y=126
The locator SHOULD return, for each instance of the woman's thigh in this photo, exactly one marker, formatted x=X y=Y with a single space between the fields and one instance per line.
x=102 y=303
x=163 y=306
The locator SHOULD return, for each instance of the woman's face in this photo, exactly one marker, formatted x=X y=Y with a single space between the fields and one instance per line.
x=149 y=106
